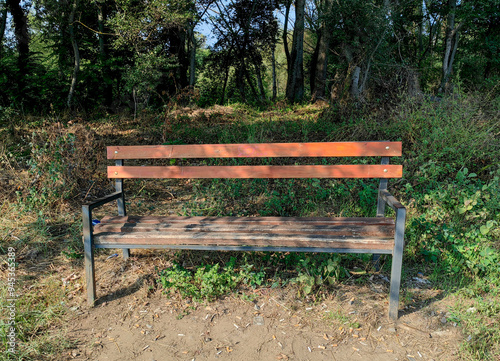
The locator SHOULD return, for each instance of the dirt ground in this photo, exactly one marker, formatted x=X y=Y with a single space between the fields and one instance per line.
x=134 y=320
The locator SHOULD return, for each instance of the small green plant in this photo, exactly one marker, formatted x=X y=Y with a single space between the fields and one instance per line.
x=313 y=273
x=209 y=282
x=339 y=317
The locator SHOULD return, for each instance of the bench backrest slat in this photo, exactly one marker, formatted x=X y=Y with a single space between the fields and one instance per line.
x=259 y=150
x=258 y=171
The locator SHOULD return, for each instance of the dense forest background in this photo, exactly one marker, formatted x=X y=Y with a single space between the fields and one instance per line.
x=130 y=54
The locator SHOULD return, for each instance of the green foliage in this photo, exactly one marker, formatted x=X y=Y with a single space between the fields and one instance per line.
x=459 y=224
x=7 y=116
x=210 y=281
x=140 y=24
x=142 y=78
x=314 y=272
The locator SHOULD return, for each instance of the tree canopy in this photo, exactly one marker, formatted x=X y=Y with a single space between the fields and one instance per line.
x=95 y=54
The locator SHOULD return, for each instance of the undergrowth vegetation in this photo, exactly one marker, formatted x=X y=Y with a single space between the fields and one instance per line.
x=451 y=187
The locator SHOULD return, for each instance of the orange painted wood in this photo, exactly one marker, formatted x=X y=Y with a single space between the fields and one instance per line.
x=243 y=239
x=259 y=171
x=328 y=149
x=300 y=221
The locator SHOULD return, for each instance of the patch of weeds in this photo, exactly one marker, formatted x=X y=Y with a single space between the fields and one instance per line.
x=61 y=163
x=340 y=318
x=39 y=311
x=314 y=272
x=458 y=226
x=479 y=325
x=209 y=282
x=72 y=252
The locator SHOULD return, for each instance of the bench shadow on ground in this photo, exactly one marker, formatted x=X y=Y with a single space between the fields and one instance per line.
x=134 y=287
x=421 y=297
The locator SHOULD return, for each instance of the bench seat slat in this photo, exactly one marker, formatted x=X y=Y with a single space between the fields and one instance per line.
x=259 y=171
x=252 y=220
x=243 y=248
x=267 y=150
x=364 y=231
x=338 y=233
x=242 y=239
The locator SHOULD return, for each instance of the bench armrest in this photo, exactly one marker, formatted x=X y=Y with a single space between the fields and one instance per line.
x=87 y=212
x=391 y=200
x=99 y=202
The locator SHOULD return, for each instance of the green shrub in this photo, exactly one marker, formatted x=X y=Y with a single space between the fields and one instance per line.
x=209 y=282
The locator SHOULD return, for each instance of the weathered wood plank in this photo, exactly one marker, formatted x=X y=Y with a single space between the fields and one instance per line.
x=325 y=149
x=225 y=239
x=338 y=230
x=245 y=248
x=299 y=221
x=259 y=171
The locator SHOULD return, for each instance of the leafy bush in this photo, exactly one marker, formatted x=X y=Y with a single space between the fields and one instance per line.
x=458 y=225
x=210 y=281
x=314 y=272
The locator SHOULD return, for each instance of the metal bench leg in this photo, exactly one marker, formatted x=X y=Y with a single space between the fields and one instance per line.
x=122 y=212
x=376 y=261
x=397 y=263
x=380 y=211
x=89 y=255
x=121 y=203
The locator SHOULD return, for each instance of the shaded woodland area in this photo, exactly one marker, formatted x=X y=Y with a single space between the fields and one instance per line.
x=131 y=54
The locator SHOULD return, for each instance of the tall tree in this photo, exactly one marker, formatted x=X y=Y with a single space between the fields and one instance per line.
x=202 y=7
x=245 y=31
x=451 y=44
x=295 y=79
x=320 y=56
x=20 y=19
x=103 y=53
x=155 y=32
x=76 y=53
x=3 y=19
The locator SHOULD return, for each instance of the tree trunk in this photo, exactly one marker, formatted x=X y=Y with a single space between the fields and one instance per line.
x=108 y=88
x=240 y=85
x=318 y=83
x=100 y=23
x=226 y=77
x=285 y=33
x=22 y=37
x=355 y=89
x=420 y=29
x=76 y=52
x=321 y=65
x=313 y=64
x=295 y=81
x=192 y=55
x=182 y=58
x=273 y=64
x=258 y=73
x=246 y=74
x=451 y=44
x=3 y=21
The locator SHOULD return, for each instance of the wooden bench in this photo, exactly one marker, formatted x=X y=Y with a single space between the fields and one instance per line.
x=376 y=235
